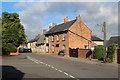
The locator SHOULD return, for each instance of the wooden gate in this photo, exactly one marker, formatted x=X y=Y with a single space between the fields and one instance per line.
x=73 y=52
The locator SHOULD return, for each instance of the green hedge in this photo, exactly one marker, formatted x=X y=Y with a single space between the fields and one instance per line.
x=8 y=48
x=61 y=52
x=99 y=52
x=110 y=53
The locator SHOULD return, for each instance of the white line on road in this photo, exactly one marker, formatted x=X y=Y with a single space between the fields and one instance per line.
x=66 y=73
x=37 y=61
x=59 y=70
x=71 y=76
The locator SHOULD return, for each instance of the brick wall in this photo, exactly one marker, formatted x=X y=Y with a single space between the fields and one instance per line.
x=79 y=35
x=84 y=53
x=60 y=42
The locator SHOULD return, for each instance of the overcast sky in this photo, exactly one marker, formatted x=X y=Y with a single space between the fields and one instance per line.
x=36 y=16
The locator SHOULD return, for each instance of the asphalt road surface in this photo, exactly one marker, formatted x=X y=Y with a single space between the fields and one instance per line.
x=29 y=65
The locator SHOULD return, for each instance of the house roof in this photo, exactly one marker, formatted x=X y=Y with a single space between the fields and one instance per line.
x=95 y=38
x=61 y=27
x=35 y=39
x=113 y=40
x=32 y=40
x=41 y=39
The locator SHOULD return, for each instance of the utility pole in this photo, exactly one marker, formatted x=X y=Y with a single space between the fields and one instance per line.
x=104 y=26
x=104 y=30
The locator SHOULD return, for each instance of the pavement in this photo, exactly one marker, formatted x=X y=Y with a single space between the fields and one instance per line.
x=92 y=61
x=32 y=65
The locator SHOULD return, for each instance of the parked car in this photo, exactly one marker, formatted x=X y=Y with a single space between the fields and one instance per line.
x=24 y=50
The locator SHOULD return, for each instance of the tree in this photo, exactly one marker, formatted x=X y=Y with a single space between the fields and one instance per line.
x=12 y=30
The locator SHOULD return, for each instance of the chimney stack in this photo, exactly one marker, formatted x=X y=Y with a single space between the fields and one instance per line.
x=54 y=24
x=65 y=19
x=44 y=30
x=50 y=27
x=78 y=17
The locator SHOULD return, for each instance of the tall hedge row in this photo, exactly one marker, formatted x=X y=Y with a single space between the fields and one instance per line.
x=99 y=52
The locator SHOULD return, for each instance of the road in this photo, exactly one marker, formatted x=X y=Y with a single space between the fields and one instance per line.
x=29 y=65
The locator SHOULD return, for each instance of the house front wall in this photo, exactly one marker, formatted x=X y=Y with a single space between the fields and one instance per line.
x=79 y=35
x=41 y=48
x=60 y=43
x=33 y=46
x=98 y=42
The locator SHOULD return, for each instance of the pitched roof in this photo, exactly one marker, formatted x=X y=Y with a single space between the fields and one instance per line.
x=41 y=39
x=113 y=40
x=95 y=38
x=61 y=27
x=35 y=39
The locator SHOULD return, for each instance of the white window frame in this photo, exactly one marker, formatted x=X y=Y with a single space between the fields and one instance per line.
x=64 y=48
x=57 y=37
x=47 y=39
x=53 y=48
x=52 y=37
x=64 y=36
x=85 y=46
x=47 y=48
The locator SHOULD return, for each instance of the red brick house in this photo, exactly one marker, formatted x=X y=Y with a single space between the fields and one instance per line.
x=68 y=35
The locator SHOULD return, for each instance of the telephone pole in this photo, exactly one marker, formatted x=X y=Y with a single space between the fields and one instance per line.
x=104 y=27
x=104 y=30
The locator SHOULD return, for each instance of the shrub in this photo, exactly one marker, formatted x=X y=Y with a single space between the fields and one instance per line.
x=99 y=52
x=61 y=52
x=8 y=47
x=110 y=52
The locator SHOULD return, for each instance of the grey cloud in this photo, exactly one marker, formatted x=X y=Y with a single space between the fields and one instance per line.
x=92 y=13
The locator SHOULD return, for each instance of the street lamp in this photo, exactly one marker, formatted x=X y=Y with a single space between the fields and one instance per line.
x=104 y=30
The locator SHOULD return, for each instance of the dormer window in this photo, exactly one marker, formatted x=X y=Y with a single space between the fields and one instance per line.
x=57 y=37
x=64 y=36
x=53 y=38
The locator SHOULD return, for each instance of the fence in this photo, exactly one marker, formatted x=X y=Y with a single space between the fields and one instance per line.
x=82 y=53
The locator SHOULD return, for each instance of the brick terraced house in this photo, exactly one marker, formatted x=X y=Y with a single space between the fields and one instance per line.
x=68 y=35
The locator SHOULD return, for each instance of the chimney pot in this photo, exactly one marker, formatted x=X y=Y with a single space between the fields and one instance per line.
x=54 y=24
x=78 y=17
x=50 y=27
x=44 y=30
x=65 y=19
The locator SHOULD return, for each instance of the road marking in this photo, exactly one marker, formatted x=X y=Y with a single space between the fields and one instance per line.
x=52 y=67
x=71 y=76
x=66 y=73
x=55 y=68
x=37 y=61
x=59 y=70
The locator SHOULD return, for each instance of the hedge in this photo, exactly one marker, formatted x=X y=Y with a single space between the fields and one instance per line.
x=110 y=53
x=99 y=52
x=8 y=48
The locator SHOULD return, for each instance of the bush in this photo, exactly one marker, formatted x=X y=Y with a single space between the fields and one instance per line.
x=99 y=52
x=8 y=48
x=110 y=52
x=61 y=52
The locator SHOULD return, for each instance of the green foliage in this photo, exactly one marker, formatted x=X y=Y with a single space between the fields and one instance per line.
x=8 y=47
x=110 y=52
x=12 y=30
x=61 y=52
x=99 y=52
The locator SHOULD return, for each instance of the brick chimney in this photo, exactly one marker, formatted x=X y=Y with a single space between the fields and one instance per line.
x=44 y=30
x=78 y=17
x=50 y=27
x=54 y=24
x=65 y=19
